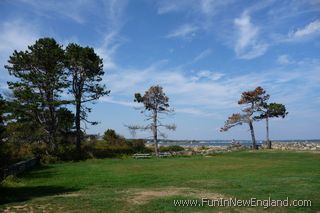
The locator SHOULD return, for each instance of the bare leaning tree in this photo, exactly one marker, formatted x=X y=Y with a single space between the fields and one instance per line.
x=253 y=101
x=155 y=103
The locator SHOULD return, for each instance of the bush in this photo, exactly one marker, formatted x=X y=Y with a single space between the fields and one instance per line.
x=11 y=153
x=101 y=149
x=46 y=159
x=173 y=148
x=138 y=146
x=112 y=138
x=112 y=151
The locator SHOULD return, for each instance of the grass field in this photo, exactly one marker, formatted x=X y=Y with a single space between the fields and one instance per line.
x=151 y=185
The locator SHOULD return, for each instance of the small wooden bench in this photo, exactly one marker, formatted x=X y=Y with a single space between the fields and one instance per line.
x=138 y=156
x=165 y=154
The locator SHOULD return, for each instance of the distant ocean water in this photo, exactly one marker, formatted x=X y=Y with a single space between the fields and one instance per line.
x=223 y=142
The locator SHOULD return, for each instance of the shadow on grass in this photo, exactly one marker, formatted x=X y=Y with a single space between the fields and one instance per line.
x=11 y=193
x=40 y=171
x=19 y=194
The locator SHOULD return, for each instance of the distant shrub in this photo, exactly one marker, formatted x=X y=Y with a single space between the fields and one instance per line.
x=110 y=133
x=204 y=147
x=101 y=149
x=138 y=146
x=173 y=148
x=112 y=138
x=65 y=150
x=112 y=151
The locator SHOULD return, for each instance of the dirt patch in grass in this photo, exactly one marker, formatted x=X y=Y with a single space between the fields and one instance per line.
x=33 y=208
x=145 y=195
x=142 y=196
x=69 y=195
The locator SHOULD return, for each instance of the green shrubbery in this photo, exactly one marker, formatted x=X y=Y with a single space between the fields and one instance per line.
x=96 y=149
x=104 y=149
x=173 y=148
x=11 y=153
x=112 y=145
x=138 y=146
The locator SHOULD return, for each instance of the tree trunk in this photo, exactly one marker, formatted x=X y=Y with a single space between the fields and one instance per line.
x=78 y=126
x=155 y=133
x=254 y=144
x=52 y=144
x=267 y=130
x=52 y=122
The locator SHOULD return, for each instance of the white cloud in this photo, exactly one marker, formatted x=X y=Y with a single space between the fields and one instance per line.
x=110 y=99
x=247 y=45
x=284 y=59
x=183 y=87
x=212 y=7
x=183 y=31
x=209 y=75
x=81 y=11
x=197 y=112
x=202 y=55
x=206 y=8
x=167 y=6
x=114 y=13
x=217 y=92
x=76 y=10
x=16 y=35
x=310 y=29
x=108 y=48
x=247 y=32
x=302 y=62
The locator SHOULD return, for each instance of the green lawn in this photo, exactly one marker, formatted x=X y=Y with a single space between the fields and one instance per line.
x=151 y=185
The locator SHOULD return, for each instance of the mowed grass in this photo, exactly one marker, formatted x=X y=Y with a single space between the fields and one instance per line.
x=151 y=185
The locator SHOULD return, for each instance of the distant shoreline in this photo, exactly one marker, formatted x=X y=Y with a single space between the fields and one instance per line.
x=210 y=148
x=208 y=143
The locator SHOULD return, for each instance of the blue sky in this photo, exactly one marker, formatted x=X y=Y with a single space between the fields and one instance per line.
x=203 y=52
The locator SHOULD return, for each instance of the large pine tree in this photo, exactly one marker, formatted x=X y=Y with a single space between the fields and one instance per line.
x=41 y=78
x=86 y=70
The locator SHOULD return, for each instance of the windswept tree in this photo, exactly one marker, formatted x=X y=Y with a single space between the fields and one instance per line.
x=41 y=79
x=270 y=111
x=155 y=103
x=86 y=70
x=252 y=101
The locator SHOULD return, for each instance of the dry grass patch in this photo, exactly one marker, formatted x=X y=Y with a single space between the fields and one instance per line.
x=142 y=196
x=33 y=208
x=68 y=195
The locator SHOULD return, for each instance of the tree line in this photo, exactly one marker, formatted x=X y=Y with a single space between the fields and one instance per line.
x=47 y=102
x=51 y=86
x=48 y=80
